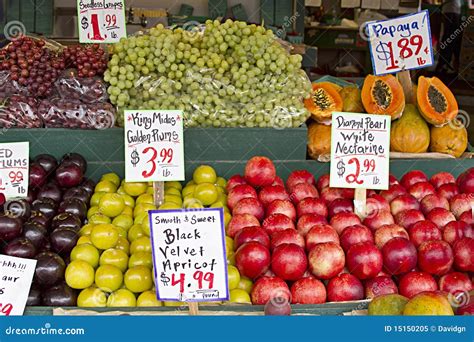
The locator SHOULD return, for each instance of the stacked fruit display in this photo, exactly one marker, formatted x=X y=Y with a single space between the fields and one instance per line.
x=429 y=121
x=100 y=260
x=418 y=236
x=231 y=74
x=208 y=190
x=112 y=261
x=36 y=85
x=45 y=226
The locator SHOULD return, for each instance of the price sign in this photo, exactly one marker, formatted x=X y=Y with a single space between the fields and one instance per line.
x=16 y=275
x=402 y=43
x=14 y=165
x=189 y=255
x=360 y=151
x=101 y=21
x=154 y=148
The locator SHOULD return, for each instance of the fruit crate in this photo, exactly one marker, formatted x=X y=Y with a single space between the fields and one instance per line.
x=217 y=8
x=36 y=15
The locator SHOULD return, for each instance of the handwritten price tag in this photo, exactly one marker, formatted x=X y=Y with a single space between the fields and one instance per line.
x=16 y=275
x=101 y=21
x=360 y=151
x=154 y=148
x=189 y=255
x=14 y=165
x=402 y=43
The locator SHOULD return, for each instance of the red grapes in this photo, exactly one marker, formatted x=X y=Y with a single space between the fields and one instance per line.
x=89 y=60
x=32 y=65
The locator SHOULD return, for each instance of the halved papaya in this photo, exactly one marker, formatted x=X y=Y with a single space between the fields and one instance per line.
x=436 y=102
x=324 y=100
x=383 y=95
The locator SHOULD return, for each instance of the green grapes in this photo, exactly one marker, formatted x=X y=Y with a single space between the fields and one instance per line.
x=228 y=75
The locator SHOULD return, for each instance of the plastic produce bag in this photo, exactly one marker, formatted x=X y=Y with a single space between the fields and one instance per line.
x=229 y=75
x=88 y=89
x=19 y=111
x=209 y=102
x=65 y=113
x=9 y=87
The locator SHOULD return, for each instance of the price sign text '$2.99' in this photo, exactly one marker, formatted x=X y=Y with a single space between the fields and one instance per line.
x=358 y=166
x=165 y=156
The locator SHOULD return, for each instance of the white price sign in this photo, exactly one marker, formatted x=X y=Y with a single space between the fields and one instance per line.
x=189 y=255
x=360 y=151
x=402 y=43
x=14 y=166
x=101 y=21
x=154 y=147
x=16 y=276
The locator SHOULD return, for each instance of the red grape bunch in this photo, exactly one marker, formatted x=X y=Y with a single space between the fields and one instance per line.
x=32 y=65
x=89 y=60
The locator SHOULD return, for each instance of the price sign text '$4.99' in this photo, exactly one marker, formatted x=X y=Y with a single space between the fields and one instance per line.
x=204 y=280
x=165 y=157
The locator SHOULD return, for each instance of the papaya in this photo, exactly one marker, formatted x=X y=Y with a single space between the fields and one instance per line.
x=324 y=100
x=450 y=139
x=383 y=95
x=436 y=102
x=351 y=100
x=410 y=133
x=319 y=139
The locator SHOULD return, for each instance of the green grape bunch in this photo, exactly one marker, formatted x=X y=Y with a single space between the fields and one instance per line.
x=229 y=74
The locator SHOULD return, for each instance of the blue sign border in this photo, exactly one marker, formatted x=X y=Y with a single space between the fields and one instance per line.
x=427 y=16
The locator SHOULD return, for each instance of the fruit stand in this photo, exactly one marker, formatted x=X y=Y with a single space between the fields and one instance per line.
x=255 y=129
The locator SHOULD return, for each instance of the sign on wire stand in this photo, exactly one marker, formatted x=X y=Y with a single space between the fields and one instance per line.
x=14 y=166
x=360 y=151
x=16 y=276
x=402 y=43
x=189 y=255
x=154 y=148
x=101 y=21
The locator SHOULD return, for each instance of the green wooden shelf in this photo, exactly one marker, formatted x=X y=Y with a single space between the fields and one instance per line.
x=318 y=309
x=201 y=144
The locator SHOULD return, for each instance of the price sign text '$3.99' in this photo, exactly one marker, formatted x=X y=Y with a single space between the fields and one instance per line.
x=165 y=156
